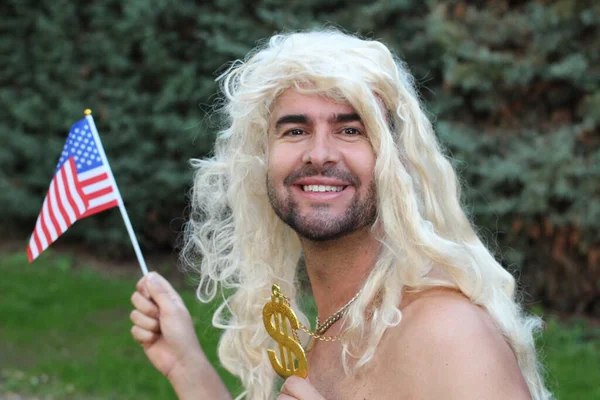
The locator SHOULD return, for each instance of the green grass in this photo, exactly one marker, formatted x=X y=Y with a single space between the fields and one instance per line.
x=571 y=354
x=64 y=334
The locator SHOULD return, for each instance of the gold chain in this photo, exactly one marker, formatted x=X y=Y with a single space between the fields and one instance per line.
x=320 y=329
x=320 y=337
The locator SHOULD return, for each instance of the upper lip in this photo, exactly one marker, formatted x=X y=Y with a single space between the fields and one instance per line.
x=324 y=181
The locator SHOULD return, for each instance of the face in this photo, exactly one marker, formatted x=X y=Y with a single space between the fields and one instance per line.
x=320 y=167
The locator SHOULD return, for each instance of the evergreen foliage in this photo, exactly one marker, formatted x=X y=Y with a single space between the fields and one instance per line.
x=514 y=88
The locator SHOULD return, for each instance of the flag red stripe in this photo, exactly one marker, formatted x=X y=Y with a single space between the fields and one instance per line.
x=53 y=219
x=63 y=196
x=38 y=243
x=102 y=207
x=78 y=187
x=43 y=225
x=33 y=246
x=69 y=198
x=94 y=179
x=61 y=207
x=101 y=192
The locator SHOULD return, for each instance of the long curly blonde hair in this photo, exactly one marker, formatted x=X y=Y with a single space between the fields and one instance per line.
x=241 y=248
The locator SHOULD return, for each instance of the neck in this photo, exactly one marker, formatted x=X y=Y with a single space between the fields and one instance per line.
x=338 y=268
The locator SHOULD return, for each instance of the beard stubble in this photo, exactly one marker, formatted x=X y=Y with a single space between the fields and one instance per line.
x=320 y=226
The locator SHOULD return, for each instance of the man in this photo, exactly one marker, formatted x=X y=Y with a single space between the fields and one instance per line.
x=327 y=154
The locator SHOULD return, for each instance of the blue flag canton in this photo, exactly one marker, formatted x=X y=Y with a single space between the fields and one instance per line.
x=82 y=147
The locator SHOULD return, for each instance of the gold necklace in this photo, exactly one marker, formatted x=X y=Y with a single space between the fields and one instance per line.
x=320 y=329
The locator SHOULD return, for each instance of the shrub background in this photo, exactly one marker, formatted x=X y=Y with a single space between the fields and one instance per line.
x=513 y=87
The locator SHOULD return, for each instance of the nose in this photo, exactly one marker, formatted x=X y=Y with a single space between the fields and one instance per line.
x=321 y=150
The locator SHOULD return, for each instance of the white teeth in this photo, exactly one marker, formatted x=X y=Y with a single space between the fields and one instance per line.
x=322 y=188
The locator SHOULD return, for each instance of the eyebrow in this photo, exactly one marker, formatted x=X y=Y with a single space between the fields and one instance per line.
x=303 y=119
x=351 y=117
x=291 y=119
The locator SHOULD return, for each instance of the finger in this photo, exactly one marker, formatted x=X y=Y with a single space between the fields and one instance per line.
x=143 y=336
x=142 y=287
x=144 y=321
x=162 y=293
x=300 y=388
x=144 y=305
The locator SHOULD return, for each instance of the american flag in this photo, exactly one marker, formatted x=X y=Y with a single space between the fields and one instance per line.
x=82 y=186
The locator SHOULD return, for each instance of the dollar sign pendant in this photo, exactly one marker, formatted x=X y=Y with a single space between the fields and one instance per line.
x=276 y=315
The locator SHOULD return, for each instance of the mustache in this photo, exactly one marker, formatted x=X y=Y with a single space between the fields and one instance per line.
x=309 y=171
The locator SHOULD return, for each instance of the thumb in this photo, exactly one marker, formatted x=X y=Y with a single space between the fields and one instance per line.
x=163 y=294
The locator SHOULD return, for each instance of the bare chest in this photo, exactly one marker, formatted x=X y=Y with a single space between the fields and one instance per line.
x=326 y=373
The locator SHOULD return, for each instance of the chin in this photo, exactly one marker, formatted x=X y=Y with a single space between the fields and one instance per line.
x=321 y=236
x=320 y=231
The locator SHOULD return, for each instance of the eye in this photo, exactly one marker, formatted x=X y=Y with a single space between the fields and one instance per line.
x=295 y=132
x=350 y=131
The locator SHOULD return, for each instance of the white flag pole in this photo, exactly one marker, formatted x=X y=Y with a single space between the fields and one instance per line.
x=134 y=242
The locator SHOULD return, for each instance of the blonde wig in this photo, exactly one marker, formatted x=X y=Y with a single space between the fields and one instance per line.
x=241 y=247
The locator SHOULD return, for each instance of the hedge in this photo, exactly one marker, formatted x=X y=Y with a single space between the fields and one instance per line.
x=513 y=87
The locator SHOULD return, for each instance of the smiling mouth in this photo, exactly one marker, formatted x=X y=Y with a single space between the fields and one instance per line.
x=322 y=188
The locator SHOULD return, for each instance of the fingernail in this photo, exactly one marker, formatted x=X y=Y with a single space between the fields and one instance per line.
x=152 y=278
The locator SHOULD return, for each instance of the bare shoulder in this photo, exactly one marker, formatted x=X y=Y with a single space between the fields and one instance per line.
x=447 y=347
x=444 y=315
